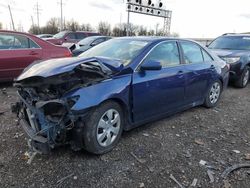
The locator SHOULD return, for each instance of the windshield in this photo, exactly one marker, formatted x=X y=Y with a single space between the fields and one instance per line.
x=122 y=49
x=59 y=35
x=231 y=43
x=86 y=41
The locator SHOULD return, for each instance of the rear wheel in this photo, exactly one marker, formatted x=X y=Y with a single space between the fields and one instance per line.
x=213 y=94
x=244 y=78
x=103 y=129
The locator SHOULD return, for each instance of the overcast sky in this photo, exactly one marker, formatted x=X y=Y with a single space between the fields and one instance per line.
x=191 y=18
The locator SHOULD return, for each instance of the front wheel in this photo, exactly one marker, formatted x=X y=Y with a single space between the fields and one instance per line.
x=244 y=78
x=213 y=94
x=103 y=128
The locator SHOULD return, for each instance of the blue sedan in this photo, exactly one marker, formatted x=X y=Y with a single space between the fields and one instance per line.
x=88 y=101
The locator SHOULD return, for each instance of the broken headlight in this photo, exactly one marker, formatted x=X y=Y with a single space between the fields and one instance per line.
x=54 y=111
x=72 y=101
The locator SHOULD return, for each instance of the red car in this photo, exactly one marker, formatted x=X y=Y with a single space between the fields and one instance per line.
x=18 y=50
x=70 y=37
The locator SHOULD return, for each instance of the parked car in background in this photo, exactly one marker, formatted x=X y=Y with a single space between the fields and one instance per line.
x=18 y=50
x=87 y=101
x=235 y=50
x=70 y=37
x=88 y=43
x=42 y=36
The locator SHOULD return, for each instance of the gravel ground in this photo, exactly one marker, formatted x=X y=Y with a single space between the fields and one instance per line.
x=145 y=157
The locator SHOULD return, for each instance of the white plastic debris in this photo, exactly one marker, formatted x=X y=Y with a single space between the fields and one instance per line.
x=236 y=151
x=202 y=162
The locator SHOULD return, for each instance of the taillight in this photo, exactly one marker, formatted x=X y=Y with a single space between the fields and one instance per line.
x=67 y=54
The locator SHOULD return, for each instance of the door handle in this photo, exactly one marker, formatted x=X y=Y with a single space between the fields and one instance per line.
x=212 y=67
x=180 y=72
x=33 y=53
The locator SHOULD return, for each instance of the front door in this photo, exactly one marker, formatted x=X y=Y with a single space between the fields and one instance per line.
x=157 y=92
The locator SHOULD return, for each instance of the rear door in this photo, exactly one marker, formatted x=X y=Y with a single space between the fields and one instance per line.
x=16 y=53
x=162 y=91
x=199 y=71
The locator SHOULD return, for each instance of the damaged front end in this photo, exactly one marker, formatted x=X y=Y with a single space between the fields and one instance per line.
x=45 y=113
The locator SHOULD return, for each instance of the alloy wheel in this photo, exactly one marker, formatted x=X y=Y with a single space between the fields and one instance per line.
x=215 y=93
x=246 y=78
x=108 y=127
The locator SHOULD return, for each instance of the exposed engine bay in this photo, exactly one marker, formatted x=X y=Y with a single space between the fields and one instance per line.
x=45 y=114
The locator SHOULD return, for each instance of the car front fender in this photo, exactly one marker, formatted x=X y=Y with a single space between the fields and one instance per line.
x=91 y=96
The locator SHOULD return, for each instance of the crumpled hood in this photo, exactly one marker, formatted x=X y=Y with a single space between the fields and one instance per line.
x=53 y=67
x=230 y=53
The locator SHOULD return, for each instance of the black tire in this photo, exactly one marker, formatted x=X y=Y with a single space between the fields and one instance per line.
x=208 y=102
x=240 y=83
x=91 y=143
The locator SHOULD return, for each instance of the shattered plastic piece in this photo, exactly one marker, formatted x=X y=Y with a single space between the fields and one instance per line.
x=30 y=156
x=210 y=175
x=141 y=185
x=194 y=182
x=145 y=134
x=233 y=168
x=202 y=162
x=199 y=142
x=175 y=180
x=236 y=151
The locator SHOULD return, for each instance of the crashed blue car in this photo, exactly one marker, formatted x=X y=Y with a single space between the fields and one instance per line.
x=88 y=101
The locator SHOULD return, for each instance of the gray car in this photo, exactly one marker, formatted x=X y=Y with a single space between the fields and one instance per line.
x=88 y=43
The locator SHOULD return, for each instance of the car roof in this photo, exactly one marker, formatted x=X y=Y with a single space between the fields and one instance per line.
x=17 y=32
x=237 y=34
x=154 y=38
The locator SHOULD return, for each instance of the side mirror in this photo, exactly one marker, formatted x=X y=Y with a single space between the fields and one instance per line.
x=151 y=65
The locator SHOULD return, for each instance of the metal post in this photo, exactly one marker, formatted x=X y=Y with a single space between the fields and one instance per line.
x=61 y=4
x=37 y=14
x=13 y=26
x=128 y=28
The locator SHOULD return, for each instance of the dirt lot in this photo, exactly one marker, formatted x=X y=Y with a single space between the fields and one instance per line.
x=145 y=157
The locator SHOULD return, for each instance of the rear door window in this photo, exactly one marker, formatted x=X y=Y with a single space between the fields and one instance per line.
x=166 y=53
x=191 y=52
x=13 y=41
x=206 y=56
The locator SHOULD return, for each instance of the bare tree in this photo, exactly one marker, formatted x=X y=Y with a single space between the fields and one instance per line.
x=1 y=25
x=72 y=25
x=142 y=31
x=151 y=32
x=104 y=28
x=86 y=27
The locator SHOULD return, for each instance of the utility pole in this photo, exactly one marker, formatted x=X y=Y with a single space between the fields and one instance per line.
x=32 y=21
x=37 y=11
x=61 y=10
x=13 y=26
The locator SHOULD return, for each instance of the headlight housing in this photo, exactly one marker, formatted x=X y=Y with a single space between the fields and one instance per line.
x=231 y=60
